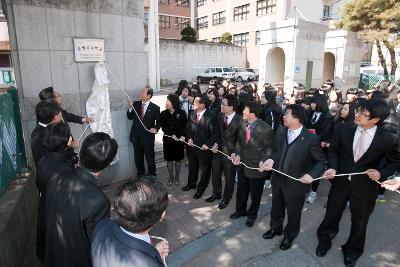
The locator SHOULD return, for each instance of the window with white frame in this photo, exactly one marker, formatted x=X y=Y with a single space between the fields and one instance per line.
x=181 y=23
x=219 y=18
x=202 y=22
x=164 y=21
x=241 y=12
x=146 y=18
x=165 y=2
x=182 y=2
x=216 y=39
x=241 y=39
x=326 y=13
x=265 y=7
x=201 y=2
x=258 y=37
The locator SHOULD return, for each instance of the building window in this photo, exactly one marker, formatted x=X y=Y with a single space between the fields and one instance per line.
x=240 y=12
x=258 y=37
x=219 y=18
x=202 y=22
x=201 y=2
x=164 y=21
x=146 y=18
x=326 y=13
x=165 y=2
x=265 y=7
x=182 y=2
x=181 y=23
x=216 y=39
x=241 y=39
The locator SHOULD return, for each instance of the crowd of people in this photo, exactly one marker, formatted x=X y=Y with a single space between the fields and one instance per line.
x=233 y=137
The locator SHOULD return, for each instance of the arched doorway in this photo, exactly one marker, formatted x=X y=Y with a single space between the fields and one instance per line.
x=329 y=66
x=275 y=67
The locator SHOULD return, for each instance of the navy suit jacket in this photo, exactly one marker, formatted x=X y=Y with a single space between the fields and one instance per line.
x=150 y=120
x=113 y=247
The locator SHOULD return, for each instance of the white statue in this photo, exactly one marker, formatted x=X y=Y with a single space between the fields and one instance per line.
x=98 y=103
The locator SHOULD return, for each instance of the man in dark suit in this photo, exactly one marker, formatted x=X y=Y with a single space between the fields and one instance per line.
x=46 y=113
x=201 y=132
x=75 y=204
x=297 y=153
x=228 y=122
x=254 y=145
x=358 y=147
x=126 y=241
x=49 y=94
x=143 y=141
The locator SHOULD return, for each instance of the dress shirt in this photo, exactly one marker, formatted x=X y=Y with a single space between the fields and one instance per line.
x=143 y=237
x=200 y=114
x=229 y=118
x=315 y=117
x=293 y=134
x=370 y=133
x=146 y=104
x=42 y=124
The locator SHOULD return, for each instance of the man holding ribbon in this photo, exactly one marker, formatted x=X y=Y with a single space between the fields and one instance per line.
x=297 y=153
x=356 y=148
x=254 y=145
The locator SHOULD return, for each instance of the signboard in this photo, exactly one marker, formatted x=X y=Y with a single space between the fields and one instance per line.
x=297 y=69
x=88 y=50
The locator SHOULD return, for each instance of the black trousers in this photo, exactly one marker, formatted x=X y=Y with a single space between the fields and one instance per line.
x=220 y=164
x=360 y=210
x=246 y=186
x=199 y=161
x=293 y=205
x=144 y=150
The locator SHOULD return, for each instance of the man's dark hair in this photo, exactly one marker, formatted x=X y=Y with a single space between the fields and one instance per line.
x=46 y=94
x=320 y=102
x=204 y=100
x=298 y=112
x=97 y=151
x=254 y=107
x=46 y=110
x=55 y=137
x=150 y=91
x=377 y=108
x=352 y=91
x=232 y=101
x=174 y=99
x=140 y=204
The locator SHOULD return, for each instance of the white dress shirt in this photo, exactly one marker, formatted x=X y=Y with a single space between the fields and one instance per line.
x=369 y=135
x=143 y=237
x=315 y=117
x=229 y=118
x=200 y=114
x=146 y=104
x=293 y=134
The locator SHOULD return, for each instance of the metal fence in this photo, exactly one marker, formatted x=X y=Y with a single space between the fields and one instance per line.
x=367 y=81
x=12 y=150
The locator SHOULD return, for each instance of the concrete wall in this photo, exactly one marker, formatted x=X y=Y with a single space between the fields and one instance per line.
x=42 y=32
x=184 y=61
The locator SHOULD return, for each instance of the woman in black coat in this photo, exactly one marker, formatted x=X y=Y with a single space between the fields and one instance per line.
x=215 y=102
x=173 y=123
x=271 y=112
x=320 y=123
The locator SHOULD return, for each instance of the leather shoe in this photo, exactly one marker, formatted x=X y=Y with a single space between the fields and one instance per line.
x=322 y=249
x=212 y=198
x=236 y=215
x=349 y=262
x=271 y=234
x=250 y=222
x=188 y=187
x=197 y=195
x=223 y=204
x=285 y=244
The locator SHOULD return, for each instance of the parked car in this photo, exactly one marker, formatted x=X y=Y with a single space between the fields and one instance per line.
x=241 y=74
x=255 y=71
x=217 y=73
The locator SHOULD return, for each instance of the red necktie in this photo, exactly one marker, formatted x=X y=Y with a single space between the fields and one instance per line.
x=142 y=114
x=248 y=133
x=226 y=121
x=197 y=117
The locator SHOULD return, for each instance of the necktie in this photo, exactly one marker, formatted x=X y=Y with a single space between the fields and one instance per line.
x=314 y=118
x=248 y=133
x=142 y=114
x=197 y=117
x=226 y=121
x=290 y=136
x=358 y=150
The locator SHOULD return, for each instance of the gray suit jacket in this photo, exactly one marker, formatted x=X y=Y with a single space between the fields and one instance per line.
x=303 y=156
x=113 y=247
x=258 y=149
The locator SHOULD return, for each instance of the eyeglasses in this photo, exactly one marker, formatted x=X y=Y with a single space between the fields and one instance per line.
x=361 y=113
